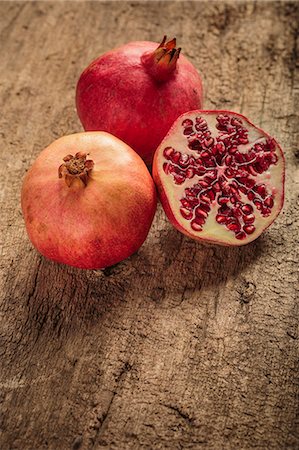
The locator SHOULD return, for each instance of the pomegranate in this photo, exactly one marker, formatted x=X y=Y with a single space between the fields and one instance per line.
x=137 y=91
x=219 y=177
x=88 y=200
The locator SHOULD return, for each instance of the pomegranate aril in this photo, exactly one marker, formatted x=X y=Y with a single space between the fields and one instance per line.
x=250 y=195
x=261 y=190
x=204 y=197
x=183 y=161
x=222 y=200
x=208 y=142
x=195 y=225
x=205 y=207
x=258 y=204
x=200 y=212
x=228 y=160
x=216 y=187
x=186 y=213
x=249 y=229
x=211 y=194
x=194 y=144
x=179 y=179
x=247 y=209
x=190 y=172
x=168 y=152
x=200 y=220
x=249 y=219
x=185 y=203
x=243 y=140
x=241 y=235
x=221 y=219
x=224 y=209
x=188 y=131
x=234 y=226
x=269 y=202
x=237 y=212
x=266 y=212
x=205 y=155
x=187 y=123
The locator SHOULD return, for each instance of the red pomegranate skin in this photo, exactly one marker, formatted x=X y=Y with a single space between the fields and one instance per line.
x=118 y=94
x=96 y=225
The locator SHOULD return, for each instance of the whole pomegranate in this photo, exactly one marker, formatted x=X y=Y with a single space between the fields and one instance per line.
x=136 y=92
x=220 y=178
x=88 y=201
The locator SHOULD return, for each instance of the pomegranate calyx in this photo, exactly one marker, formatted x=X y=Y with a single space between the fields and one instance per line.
x=161 y=63
x=76 y=167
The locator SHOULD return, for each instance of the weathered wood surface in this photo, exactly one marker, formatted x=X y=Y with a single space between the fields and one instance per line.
x=181 y=346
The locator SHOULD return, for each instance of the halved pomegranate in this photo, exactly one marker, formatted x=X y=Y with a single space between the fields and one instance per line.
x=219 y=177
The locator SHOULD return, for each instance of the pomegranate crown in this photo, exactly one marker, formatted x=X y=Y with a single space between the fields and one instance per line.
x=75 y=168
x=161 y=63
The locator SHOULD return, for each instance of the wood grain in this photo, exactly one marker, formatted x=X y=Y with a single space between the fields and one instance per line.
x=181 y=346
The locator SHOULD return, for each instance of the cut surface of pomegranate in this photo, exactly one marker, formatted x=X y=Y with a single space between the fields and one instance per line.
x=220 y=178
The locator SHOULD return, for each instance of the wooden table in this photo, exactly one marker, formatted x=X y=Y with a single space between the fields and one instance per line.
x=181 y=346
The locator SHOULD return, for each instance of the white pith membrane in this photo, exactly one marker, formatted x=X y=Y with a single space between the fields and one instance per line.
x=223 y=177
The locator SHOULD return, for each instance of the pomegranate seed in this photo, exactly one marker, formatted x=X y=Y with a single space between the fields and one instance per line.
x=250 y=195
x=232 y=150
x=269 y=202
x=228 y=160
x=186 y=213
x=204 y=197
x=266 y=212
x=234 y=226
x=203 y=184
x=179 y=179
x=235 y=121
x=249 y=229
x=221 y=219
x=243 y=140
x=200 y=220
x=261 y=189
x=190 y=172
x=196 y=226
x=216 y=187
x=249 y=219
x=188 y=131
x=166 y=168
x=185 y=203
x=211 y=194
x=258 y=204
x=167 y=152
x=200 y=212
x=237 y=212
x=194 y=144
x=209 y=142
x=187 y=123
x=241 y=235
x=247 y=209
x=205 y=207
x=176 y=157
x=222 y=200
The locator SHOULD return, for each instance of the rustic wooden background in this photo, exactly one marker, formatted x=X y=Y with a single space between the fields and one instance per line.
x=181 y=346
